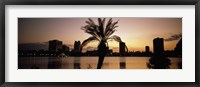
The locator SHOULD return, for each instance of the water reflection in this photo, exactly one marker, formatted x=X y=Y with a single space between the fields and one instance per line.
x=159 y=61
x=77 y=66
x=91 y=63
x=35 y=67
x=122 y=63
x=54 y=63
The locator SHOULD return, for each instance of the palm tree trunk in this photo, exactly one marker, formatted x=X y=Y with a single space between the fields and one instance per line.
x=101 y=53
x=100 y=62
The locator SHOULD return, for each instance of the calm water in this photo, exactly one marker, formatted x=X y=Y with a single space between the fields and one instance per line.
x=88 y=62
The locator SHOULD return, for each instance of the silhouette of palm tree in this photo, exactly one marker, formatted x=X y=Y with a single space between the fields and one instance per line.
x=101 y=33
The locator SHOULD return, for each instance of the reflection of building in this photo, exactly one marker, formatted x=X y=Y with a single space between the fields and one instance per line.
x=147 y=50
x=55 y=45
x=158 y=45
x=77 y=46
x=122 y=48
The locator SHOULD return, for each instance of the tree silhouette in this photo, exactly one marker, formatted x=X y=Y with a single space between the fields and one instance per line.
x=159 y=61
x=101 y=33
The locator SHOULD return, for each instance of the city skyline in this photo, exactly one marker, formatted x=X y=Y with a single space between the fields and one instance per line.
x=135 y=32
x=57 y=48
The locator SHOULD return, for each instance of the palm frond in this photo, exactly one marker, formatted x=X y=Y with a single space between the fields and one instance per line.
x=90 y=39
x=101 y=31
x=108 y=25
x=92 y=29
x=110 y=31
x=91 y=21
x=92 y=32
x=110 y=28
x=100 y=27
x=118 y=39
x=103 y=24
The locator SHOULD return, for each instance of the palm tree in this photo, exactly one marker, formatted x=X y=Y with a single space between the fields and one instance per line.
x=101 y=33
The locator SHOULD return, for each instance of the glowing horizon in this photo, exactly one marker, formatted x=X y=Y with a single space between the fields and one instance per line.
x=135 y=32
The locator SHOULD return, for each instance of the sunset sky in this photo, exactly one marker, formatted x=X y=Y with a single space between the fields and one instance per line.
x=135 y=32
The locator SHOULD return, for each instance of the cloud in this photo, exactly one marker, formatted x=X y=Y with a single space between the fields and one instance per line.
x=174 y=37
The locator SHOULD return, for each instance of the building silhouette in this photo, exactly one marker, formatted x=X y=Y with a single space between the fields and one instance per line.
x=108 y=51
x=55 y=46
x=178 y=48
x=65 y=48
x=158 y=60
x=158 y=45
x=122 y=48
x=77 y=46
x=147 y=49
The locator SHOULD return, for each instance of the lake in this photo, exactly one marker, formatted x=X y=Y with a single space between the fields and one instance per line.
x=88 y=62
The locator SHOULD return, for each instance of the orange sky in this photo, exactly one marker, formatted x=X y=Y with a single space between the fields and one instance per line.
x=135 y=32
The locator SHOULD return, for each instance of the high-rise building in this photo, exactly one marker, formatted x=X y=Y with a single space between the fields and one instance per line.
x=77 y=46
x=65 y=48
x=122 y=48
x=55 y=46
x=147 y=49
x=158 y=45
